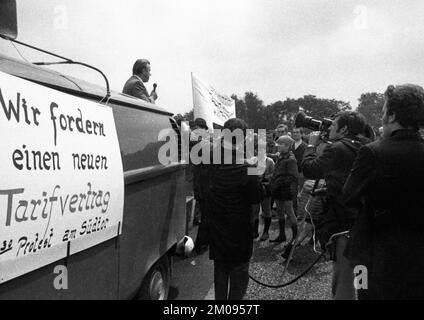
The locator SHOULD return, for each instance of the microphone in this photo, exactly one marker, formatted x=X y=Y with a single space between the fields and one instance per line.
x=154 y=87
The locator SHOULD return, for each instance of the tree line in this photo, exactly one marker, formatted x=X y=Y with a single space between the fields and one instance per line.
x=260 y=116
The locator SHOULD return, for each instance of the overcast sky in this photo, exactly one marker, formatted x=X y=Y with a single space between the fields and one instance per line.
x=275 y=48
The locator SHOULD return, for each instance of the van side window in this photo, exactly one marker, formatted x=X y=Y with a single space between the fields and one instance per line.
x=138 y=132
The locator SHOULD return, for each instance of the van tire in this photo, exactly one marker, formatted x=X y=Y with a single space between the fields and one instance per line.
x=156 y=284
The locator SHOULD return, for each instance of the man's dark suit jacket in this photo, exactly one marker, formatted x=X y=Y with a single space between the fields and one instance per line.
x=334 y=165
x=298 y=153
x=135 y=87
x=387 y=185
x=228 y=198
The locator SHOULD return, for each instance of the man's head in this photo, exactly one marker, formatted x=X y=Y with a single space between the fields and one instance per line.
x=198 y=127
x=347 y=123
x=238 y=128
x=297 y=134
x=200 y=123
x=235 y=123
x=284 y=143
x=141 y=68
x=403 y=108
x=369 y=133
x=281 y=130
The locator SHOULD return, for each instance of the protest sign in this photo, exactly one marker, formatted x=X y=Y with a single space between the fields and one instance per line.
x=61 y=177
x=210 y=104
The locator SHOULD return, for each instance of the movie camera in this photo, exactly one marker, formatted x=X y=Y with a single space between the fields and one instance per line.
x=303 y=121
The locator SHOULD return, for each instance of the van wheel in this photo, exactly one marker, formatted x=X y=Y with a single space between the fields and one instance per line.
x=156 y=283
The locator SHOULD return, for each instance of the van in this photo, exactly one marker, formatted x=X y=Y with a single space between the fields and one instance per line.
x=137 y=261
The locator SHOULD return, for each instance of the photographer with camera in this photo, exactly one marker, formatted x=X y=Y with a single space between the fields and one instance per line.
x=386 y=185
x=345 y=136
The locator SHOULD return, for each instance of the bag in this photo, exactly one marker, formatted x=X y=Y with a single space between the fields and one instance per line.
x=316 y=205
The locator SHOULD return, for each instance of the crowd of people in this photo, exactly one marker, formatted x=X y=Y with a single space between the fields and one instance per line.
x=373 y=191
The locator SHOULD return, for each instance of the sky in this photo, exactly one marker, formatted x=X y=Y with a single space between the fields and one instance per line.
x=275 y=48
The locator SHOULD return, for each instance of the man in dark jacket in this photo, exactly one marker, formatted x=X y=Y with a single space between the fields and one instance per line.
x=299 y=147
x=229 y=197
x=386 y=184
x=334 y=165
x=200 y=180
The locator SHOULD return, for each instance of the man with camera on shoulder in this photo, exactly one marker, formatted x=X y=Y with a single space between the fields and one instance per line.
x=334 y=164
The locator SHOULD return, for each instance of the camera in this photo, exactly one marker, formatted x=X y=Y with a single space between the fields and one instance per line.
x=302 y=120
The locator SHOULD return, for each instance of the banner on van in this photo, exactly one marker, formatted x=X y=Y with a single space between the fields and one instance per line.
x=61 y=177
x=210 y=104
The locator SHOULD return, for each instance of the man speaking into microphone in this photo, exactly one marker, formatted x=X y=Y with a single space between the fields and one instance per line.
x=135 y=84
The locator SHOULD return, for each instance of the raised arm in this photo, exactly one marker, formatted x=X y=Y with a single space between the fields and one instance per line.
x=314 y=165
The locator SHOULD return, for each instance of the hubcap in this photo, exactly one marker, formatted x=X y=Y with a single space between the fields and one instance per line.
x=157 y=286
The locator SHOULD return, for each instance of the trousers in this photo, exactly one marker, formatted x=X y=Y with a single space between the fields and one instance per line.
x=343 y=277
x=230 y=279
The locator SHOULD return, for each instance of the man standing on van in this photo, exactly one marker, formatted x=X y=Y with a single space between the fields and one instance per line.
x=134 y=85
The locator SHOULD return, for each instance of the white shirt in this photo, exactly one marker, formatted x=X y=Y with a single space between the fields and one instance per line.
x=297 y=144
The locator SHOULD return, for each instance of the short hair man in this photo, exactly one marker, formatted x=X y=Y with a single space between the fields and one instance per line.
x=299 y=146
x=281 y=130
x=386 y=185
x=231 y=192
x=334 y=165
x=135 y=84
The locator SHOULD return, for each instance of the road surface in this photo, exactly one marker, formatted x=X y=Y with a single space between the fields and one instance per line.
x=193 y=277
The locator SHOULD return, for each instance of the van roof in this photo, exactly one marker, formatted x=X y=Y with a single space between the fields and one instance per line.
x=74 y=86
